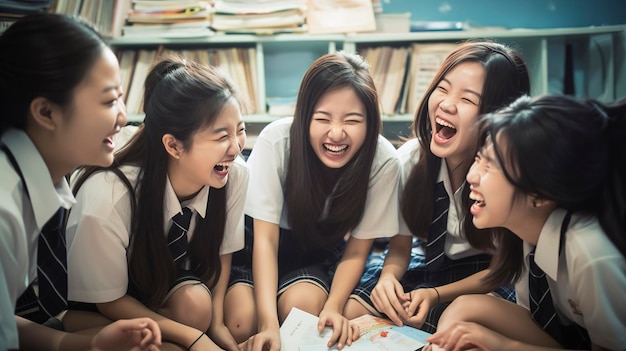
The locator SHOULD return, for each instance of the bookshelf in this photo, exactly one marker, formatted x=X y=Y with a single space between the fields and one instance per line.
x=596 y=55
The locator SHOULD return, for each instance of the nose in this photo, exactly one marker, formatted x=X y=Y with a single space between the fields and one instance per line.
x=472 y=176
x=122 y=118
x=336 y=131
x=236 y=145
x=448 y=106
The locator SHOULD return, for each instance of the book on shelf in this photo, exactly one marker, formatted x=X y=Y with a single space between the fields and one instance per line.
x=145 y=61
x=425 y=62
x=299 y=333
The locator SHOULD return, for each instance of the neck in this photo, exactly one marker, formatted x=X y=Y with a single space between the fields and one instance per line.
x=528 y=227
x=51 y=155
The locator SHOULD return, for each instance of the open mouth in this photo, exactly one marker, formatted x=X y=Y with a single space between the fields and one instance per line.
x=478 y=199
x=444 y=129
x=335 y=149
x=223 y=167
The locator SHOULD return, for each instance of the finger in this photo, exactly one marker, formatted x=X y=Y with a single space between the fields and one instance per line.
x=334 y=336
x=356 y=332
x=345 y=334
x=146 y=338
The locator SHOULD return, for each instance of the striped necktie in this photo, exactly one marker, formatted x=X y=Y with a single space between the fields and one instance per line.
x=177 y=236
x=541 y=306
x=438 y=229
x=52 y=266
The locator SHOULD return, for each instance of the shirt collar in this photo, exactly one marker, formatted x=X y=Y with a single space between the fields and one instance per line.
x=45 y=196
x=548 y=244
x=173 y=206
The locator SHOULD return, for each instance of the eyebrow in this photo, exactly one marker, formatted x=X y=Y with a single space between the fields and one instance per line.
x=349 y=114
x=109 y=87
x=465 y=90
x=225 y=129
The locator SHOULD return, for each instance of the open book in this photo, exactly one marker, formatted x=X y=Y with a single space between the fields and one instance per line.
x=299 y=333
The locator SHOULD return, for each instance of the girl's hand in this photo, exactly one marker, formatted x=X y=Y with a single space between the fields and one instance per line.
x=421 y=301
x=205 y=343
x=220 y=334
x=128 y=334
x=389 y=298
x=344 y=333
x=468 y=336
x=267 y=340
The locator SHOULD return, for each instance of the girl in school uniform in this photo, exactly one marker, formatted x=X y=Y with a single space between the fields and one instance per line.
x=184 y=160
x=475 y=78
x=59 y=108
x=550 y=177
x=323 y=186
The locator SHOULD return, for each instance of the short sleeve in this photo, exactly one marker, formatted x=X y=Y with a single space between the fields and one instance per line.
x=98 y=239
x=380 y=218
x=266 y=165
x=236 y=192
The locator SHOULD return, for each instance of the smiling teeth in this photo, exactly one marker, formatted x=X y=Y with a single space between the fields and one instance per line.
x=476 y=197
x=223 y=166
x=444 y=123
x=335 y=148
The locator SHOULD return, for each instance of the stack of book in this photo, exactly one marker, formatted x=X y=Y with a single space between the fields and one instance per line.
x=260 y=17
x=168 y=19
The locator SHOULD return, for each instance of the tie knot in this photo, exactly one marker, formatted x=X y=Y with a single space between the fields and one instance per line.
x=535 y=270
x=183 y=219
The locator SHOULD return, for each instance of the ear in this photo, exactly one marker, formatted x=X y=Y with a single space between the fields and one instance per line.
x=45 y=113
x=172 y=146
x=540 y=202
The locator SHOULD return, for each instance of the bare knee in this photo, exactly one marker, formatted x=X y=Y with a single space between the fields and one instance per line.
x=240 y=312
x=304 y=296
x=465 y=308
x=190 y=305
x=354 y=309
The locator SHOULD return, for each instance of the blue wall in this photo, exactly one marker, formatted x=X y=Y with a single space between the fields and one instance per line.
x=514 y=13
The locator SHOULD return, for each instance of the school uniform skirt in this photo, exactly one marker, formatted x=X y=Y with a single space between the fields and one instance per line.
x=295 y=263
x=418 y=276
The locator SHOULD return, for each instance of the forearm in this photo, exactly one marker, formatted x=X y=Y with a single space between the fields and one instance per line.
x=348 y=273
x=265 y=273
x=128 y=307
x=470 y=285
x=35 y=336
x=398 y=257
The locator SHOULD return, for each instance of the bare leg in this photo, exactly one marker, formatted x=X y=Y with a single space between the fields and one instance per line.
x=497 y=314
x=240 y=312
x=354 y=309
x=305 y=296
x=84 y=321
x=190 y=305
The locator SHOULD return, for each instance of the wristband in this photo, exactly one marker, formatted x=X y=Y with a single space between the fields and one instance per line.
x=195 y=341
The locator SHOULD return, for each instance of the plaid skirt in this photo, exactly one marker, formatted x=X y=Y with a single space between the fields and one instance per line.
x=418 y=276
x=295 y=263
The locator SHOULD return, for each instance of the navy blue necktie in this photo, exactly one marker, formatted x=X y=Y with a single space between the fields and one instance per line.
x=177 y=236
x=438 y=229
x=542 y=308
x=52 y=266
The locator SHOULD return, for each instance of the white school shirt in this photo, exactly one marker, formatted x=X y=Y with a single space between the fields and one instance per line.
x=268 y=167
x=587 y=280
x=456 y=246
x=98 y=230
x=21 y=220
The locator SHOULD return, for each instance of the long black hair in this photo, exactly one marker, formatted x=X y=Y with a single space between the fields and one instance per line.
x=307 y=177
x=566 y=150
x=506 y=78
x=181 y=97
